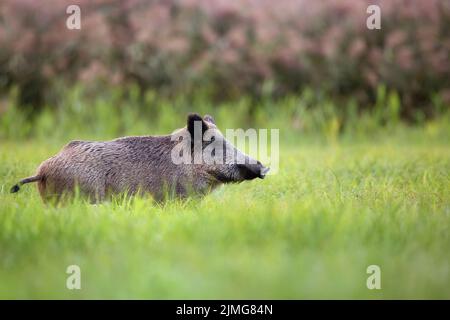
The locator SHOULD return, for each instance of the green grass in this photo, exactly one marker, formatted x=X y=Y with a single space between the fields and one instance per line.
x=309 y=231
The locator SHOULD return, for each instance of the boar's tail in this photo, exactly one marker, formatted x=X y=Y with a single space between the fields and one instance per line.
x=16 y=187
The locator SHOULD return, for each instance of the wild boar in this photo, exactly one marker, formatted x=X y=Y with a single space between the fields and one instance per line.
x=146 y=165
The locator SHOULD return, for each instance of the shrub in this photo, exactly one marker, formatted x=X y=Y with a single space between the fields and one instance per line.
x=226 y=49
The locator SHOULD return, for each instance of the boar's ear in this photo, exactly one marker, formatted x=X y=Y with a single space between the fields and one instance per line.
x=208 y=118
x=192 y=119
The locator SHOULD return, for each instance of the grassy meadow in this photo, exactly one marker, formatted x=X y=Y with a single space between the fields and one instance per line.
x=345 y=197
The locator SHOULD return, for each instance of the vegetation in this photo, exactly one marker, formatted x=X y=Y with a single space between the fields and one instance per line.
x=228 y=49
x=349 y=194
x=364 y=126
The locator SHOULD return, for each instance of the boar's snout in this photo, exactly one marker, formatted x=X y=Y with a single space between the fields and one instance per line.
x=252 y=171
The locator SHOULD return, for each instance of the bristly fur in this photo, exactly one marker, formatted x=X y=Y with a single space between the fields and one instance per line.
x=131 y=165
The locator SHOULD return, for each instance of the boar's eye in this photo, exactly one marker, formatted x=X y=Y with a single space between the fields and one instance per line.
x=213 y=153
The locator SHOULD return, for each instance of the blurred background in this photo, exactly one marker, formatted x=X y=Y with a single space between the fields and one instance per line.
x=364 y=127
x=135 y=66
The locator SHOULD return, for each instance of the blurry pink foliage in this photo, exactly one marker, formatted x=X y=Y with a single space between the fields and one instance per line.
x=233 y=47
